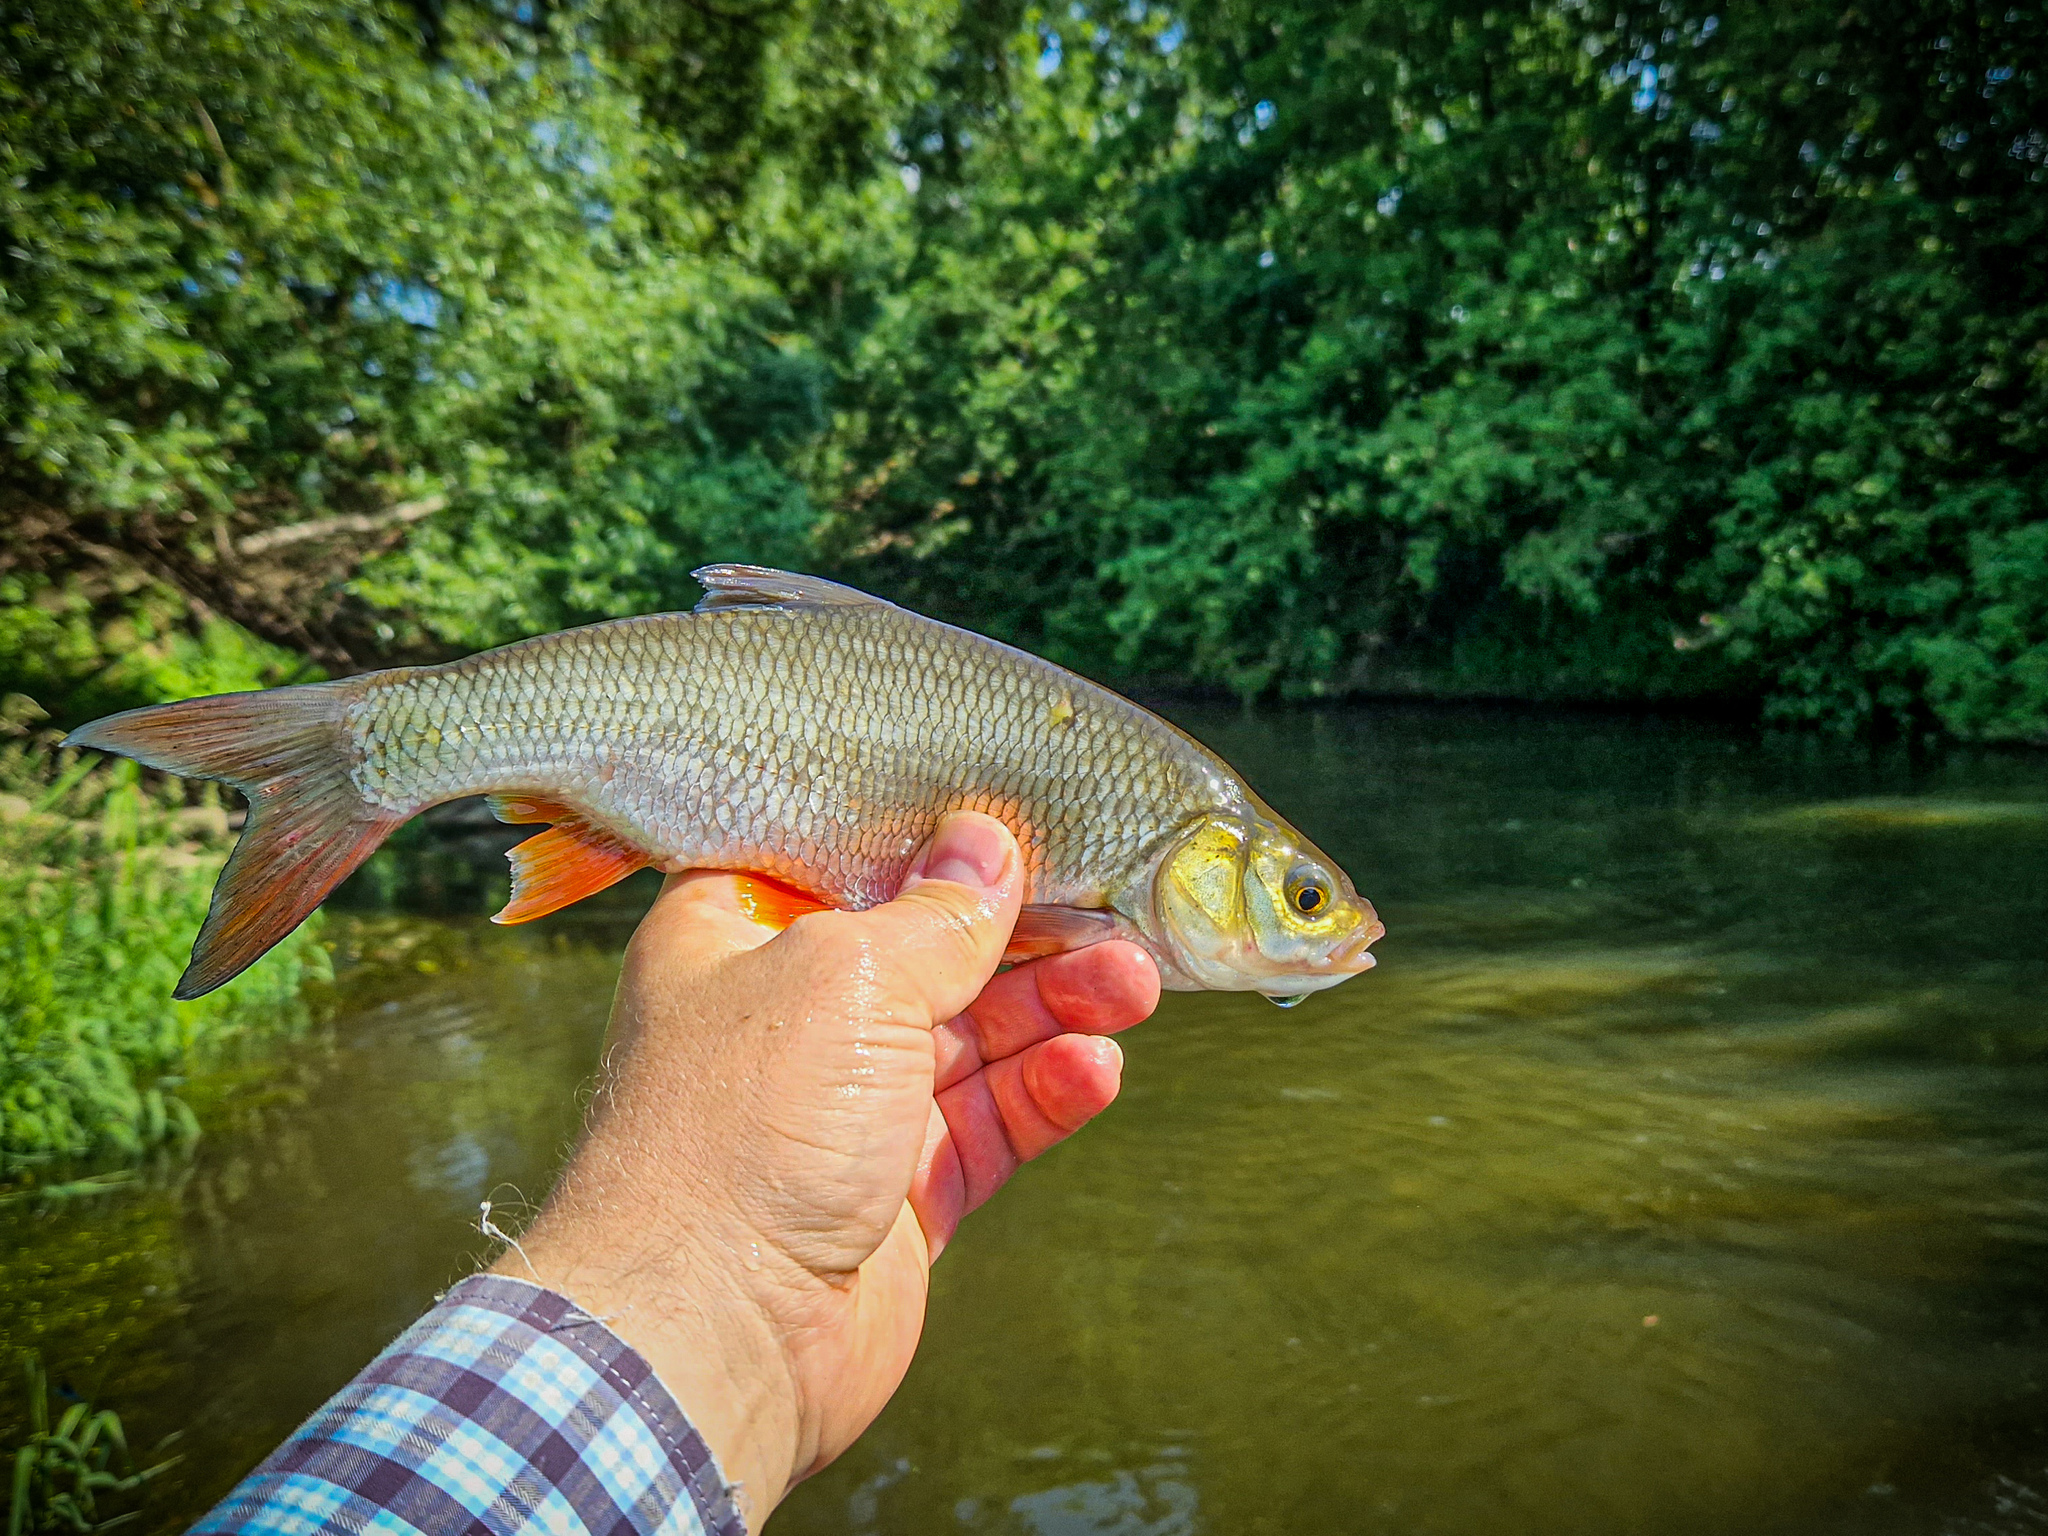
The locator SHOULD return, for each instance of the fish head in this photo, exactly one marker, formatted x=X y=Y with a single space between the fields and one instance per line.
x=1247 y=904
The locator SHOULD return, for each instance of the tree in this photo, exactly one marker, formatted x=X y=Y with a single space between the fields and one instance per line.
x=1660 y=350
x=292 y=289
x=1667 y=349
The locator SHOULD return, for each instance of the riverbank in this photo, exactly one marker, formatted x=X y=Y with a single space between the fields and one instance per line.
x=104 y=879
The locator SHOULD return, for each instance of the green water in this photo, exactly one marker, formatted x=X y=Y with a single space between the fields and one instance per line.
x=1683 y=1168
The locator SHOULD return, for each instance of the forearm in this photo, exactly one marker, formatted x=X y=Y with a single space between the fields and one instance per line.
x=506 y=1406
x=665 y=1288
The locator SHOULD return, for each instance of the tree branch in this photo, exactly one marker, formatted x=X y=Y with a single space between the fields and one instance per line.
x=326 y=527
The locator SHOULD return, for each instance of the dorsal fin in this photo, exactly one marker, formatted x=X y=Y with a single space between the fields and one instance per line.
x=756 y=586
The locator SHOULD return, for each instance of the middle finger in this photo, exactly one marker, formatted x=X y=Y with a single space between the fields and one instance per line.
x=1096 y=991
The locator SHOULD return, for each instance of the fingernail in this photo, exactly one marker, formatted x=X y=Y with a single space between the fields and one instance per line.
x=968 y=851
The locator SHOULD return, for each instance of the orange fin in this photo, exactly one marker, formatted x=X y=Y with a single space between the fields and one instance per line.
x=287 y=750
x=569 y=861
x=773 y=904
x=1044 y=931
x=516 y=810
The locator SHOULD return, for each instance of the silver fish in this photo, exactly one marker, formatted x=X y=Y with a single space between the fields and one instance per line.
x=788 y=728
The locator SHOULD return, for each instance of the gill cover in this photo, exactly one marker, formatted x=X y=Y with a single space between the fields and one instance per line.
x=1199 y=899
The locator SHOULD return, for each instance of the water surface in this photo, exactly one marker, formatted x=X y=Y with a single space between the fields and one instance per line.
x=1683 y=1168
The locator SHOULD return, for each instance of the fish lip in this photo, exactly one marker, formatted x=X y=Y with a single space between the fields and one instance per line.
x=1352 y=955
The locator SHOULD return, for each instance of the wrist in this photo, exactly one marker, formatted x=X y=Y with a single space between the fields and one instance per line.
x=713 y=1345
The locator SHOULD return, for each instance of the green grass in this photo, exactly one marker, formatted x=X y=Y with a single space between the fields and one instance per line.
x=104 y=879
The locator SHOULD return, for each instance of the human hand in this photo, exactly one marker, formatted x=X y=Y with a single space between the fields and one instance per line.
x=790 y=1128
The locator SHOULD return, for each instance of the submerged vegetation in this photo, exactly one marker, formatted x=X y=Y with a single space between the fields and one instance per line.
x=1662 y=349
x=103 y=882
x=63 y=1477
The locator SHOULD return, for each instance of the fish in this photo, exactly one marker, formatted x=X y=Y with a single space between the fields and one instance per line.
x=793 y=731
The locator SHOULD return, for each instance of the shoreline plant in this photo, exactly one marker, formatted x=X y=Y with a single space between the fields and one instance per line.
x=104 y=878
x=1688 y=351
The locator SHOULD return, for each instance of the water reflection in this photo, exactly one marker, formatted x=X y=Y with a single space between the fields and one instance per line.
x=1682 y=1168
x=226 y=1296
x=1152 y=1502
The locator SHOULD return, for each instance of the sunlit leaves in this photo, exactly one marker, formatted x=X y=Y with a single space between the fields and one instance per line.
x=1695 y=348
x=1658 y=348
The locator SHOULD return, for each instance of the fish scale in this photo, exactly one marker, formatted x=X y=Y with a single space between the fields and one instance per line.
x=753 y=741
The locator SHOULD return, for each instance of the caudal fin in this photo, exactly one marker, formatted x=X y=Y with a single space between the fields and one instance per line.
x=288 y=751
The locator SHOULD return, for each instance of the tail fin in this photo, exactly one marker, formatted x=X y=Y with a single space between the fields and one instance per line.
x=288 y=751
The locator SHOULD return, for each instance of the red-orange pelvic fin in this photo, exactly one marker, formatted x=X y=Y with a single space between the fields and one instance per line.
x=1044 y=931
x=516 y=809
x=569 y=861
x=773 y=904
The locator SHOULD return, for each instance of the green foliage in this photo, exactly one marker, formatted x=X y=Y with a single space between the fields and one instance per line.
x=1657 y=350
x=102 y=886
x=291 y=267
x=65 y=1470
x=1670 y=349
x=98 y=648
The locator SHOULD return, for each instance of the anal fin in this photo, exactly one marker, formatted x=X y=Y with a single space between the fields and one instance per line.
x=569 y=861
x=1043 y=930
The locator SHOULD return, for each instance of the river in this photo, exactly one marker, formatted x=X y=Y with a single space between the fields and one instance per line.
x=1683 y=1168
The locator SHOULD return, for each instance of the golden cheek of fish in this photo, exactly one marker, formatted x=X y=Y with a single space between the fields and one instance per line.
x=788 y=728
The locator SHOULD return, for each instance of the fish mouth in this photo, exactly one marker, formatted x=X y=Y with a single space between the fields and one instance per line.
x=1352 y=957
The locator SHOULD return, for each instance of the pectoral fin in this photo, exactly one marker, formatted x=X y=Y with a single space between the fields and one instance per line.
x=773 y=904
x=1054 y=930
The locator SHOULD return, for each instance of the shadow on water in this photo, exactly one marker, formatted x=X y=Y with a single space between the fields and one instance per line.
x=1682 y=1168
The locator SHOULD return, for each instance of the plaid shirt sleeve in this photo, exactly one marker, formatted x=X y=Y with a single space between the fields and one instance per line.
x=503 y=1410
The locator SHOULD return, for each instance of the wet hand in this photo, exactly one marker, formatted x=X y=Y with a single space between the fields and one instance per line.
x=790 y=1128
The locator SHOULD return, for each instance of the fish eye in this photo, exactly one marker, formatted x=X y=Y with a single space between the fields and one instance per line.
x=1308 y=893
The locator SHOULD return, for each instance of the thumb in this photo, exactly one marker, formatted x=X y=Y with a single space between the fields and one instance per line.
x=947 y=929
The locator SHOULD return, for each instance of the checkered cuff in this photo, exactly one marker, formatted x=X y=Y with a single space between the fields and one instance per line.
x=503 y=1410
